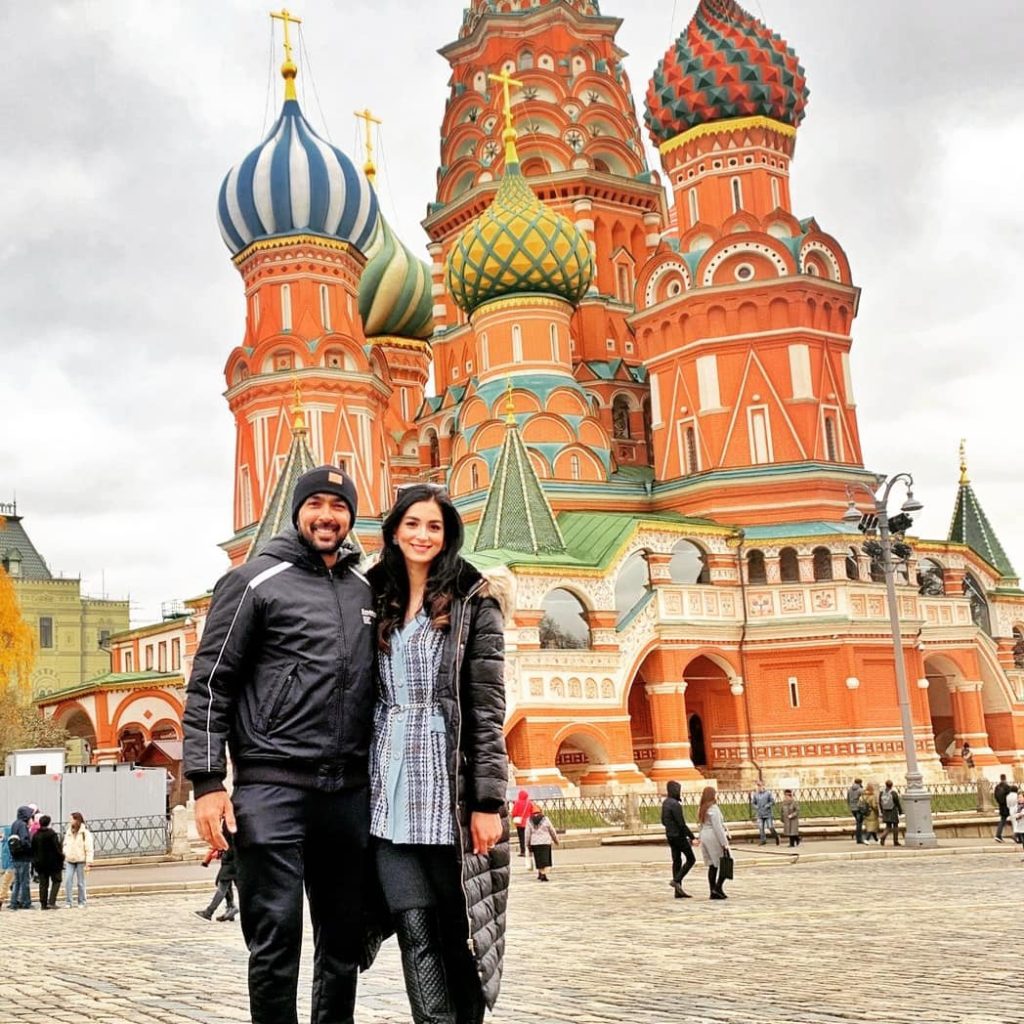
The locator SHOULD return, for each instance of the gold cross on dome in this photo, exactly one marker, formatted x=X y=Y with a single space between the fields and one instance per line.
x=286 y=18
x=964 y=478
x=506 y=80
x=366 y=116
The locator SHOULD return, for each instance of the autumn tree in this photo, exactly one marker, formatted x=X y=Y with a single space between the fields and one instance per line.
x=21 y=722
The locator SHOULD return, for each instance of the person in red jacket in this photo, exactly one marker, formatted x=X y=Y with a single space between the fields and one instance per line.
x=521 y=811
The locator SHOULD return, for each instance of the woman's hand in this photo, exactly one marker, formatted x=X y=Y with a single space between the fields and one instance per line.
x=485 y=829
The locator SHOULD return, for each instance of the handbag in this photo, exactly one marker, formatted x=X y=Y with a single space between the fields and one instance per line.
x=726 y=866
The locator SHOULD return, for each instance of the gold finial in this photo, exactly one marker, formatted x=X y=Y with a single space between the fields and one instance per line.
x=368 y=119
x=298 y=417
x=509 y=135
x=964 y=478
x=510 y=405
x=288 y=68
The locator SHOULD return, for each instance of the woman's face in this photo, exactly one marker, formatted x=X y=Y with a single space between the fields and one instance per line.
x=420 y=534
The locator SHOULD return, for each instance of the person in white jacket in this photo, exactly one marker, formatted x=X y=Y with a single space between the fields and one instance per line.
x=714 y=839
x=540 y=835
x=78 y=853
x=1015 y=807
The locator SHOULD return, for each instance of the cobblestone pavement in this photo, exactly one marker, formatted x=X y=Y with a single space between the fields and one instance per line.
x=914 y=938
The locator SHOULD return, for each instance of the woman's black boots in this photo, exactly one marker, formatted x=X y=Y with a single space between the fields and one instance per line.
x=426 y=981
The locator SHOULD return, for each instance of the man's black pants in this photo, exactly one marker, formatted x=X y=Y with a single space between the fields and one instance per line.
x=290 y=838
x=681 y=848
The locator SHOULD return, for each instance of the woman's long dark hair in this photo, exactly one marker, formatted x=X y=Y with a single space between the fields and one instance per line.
x=442 y=577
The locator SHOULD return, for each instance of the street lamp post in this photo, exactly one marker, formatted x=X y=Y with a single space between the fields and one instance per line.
x=916 y=799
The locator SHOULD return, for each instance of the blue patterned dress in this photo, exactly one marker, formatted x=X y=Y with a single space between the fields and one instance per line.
x=410 y=797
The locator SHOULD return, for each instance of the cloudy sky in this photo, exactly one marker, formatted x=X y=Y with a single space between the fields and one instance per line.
x=119 y=304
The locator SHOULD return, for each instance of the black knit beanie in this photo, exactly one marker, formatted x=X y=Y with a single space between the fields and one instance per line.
x=324 y=480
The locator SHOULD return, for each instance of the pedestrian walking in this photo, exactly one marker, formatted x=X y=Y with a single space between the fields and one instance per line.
x=853 y=800
x=225 y=882
x=438 y=766
x=1000 y=792
x=284 y=674
x=6 y=866
x=679 y=836
x=869 y=812
x=714 y=840
x=762 y=804
x=1015 y=804
x=19 y=846
x=967 y=755
x=48 y=860
x=78 y=854
x=889 y=803
x=540 y=837
x=521 y=811
x=790 y=818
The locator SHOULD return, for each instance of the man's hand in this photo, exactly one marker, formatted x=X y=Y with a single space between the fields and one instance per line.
x=211 y=810
x=485 y=829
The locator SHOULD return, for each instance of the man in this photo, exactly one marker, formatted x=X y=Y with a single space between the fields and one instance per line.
x=889 y=805
x=763 y=804
x=853 y=795
x=48 y=859
x=19 y=846
x=284 y=675
x=1001 y=791
x=679 y=837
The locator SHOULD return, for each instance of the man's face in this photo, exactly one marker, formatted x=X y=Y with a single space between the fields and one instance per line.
x=323 y=522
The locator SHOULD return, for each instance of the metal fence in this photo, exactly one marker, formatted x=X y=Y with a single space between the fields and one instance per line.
x=644 y=809
x=130 y=837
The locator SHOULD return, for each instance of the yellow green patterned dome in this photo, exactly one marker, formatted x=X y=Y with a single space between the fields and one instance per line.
x=394 y=291
x=518 y=245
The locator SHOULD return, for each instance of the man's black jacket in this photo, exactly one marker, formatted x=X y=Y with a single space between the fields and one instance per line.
x=284 y=673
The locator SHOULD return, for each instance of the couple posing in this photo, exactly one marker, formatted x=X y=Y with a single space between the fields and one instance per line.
x=364 y=720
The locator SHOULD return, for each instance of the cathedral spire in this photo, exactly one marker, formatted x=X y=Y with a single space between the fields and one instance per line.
x=970 y=525
x=517 y=516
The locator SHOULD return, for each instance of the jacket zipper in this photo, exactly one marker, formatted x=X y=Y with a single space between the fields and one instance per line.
x=332 y=580
x=470 y=942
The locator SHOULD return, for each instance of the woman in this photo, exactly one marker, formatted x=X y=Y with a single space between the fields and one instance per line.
x=714 y=839
x=870 y=804
x=78 y=851
x=1015 y=806
x=540 y=835
x=438 y=767
x=521 y=811
x=791 y=818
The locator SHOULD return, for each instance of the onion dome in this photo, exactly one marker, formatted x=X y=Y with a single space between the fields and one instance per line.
x=395 y=289
x=518 y=245
x=295 y=182
x=725 y=64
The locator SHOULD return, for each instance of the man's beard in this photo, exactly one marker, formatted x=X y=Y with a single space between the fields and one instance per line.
x=323 y=547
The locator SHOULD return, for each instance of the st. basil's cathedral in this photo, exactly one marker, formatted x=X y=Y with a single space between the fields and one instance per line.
x=641 y=403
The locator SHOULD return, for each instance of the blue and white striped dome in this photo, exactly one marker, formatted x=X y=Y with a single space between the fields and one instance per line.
x=294 y=182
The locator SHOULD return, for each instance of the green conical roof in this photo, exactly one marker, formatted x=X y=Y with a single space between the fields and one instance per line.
x=970 y=526
x=517 y=516
x=278 y=511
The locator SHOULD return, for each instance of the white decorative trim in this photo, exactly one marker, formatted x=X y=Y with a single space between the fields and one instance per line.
x=666 y=268
x=815 y=246
x=730 y=250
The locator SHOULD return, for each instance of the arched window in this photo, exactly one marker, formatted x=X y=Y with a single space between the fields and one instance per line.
x=474 y=476
x=517 y=343
x=688 y=564
x=874 y=551
x=553 y=333
x=756 y=572
x=692 y=465
x=325 y=307
x=1018 y=648
x=435 y=449
x=648 y=431
x=574 y=467
x=564 y=625
x=852 y=565
x=620 y=417
x=737 y=195
x=822 y=564
x=979 y=604
x=789 y=566
x=632 y=584
x=286 y=307
x=931 y=578
x=525 y=60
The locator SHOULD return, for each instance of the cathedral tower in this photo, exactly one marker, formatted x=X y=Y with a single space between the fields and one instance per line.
x=746 y=317
x=299 y=218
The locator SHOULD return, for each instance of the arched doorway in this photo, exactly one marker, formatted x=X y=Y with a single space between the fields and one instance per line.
x=940 y=672
x=698 y=752
x=641 y=725
x=579 y=754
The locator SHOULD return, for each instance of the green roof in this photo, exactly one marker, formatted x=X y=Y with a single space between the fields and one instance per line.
x=970 y=526
x=517 y=516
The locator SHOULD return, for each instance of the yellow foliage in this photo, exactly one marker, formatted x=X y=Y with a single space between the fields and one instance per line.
x=17 y=642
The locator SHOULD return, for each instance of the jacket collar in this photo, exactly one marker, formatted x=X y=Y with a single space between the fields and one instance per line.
x=288 y=546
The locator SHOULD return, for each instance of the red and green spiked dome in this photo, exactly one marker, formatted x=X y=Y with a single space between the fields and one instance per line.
x=725 y=64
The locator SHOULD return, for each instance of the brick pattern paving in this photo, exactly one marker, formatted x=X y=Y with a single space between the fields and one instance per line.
x=900 y=940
